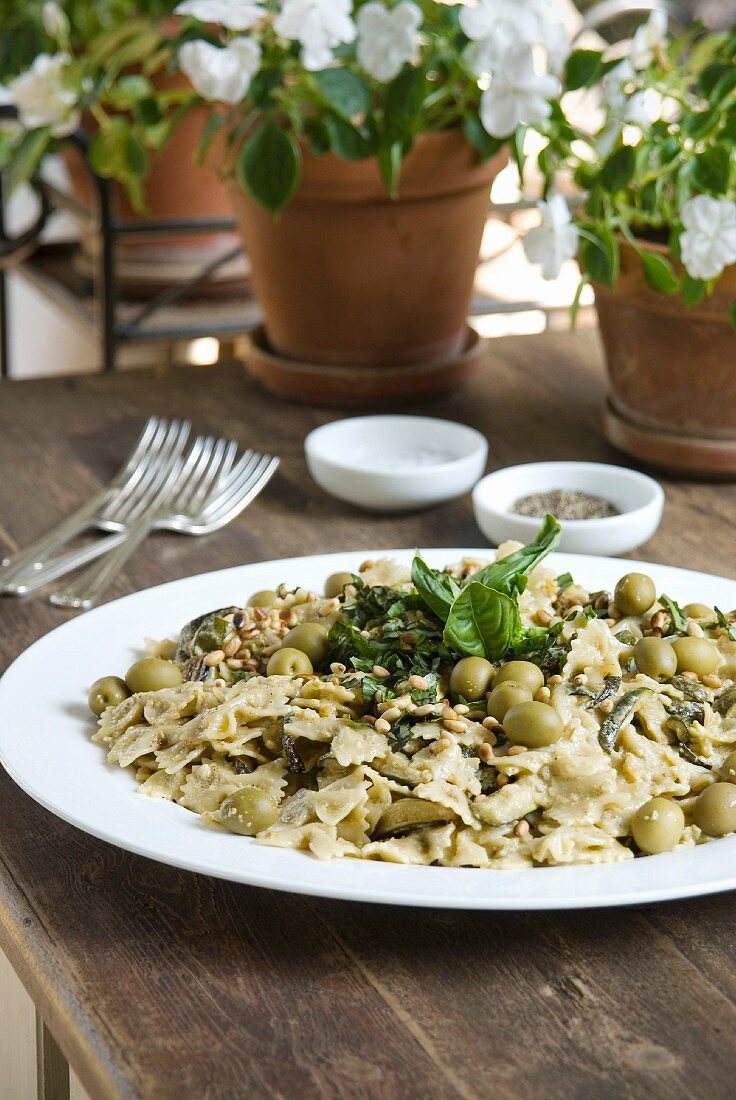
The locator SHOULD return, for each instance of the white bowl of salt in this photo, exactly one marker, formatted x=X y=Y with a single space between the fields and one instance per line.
x=395 y=463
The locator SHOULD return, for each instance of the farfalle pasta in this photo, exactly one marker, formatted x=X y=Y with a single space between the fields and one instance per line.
x=489 y=715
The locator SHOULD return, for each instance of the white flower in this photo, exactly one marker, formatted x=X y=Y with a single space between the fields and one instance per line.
x=55 y=22
x=553 y=242
x=496 y=27
x=647 y=38
x=42 y=97
x=709 y=241
x=319 y=25
x=221 y=74
x=517 y=95
x=236 y=15
x=387 y=37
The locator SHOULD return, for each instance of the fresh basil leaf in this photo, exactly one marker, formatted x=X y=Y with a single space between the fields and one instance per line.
x=727 y=626
x=509 y=574
x=679 y=622
x=437 y=589
x=482 y=622
x=564 y=580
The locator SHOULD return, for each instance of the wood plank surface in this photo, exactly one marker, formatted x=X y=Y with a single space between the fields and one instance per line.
x=163 y=984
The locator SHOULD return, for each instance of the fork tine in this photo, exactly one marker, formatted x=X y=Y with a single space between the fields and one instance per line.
x=239 y=495
x=170 y=455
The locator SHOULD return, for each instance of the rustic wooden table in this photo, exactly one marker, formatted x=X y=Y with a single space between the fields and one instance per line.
x=158 y=983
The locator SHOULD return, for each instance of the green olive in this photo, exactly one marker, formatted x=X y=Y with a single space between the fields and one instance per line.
x=533 y=724
x=521 y=672
x=728 y=768
x=288 y=661
x=106 y=692
x=153 y=674
x=410 y=813
x=505 y=696
x=265 y=597
x=248 y=811
x=657 y=825
x=310 y=638
x=714 y=811
x=634 y=594
x=696 y=655
x=699 y=611
x=656 y=658
x=471 y=678
x=335 y=584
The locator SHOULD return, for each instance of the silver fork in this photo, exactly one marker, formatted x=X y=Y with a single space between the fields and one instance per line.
x=153 y=464
x=157 y=439
x=204 y=497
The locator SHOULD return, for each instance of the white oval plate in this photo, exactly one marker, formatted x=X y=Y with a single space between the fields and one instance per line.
x=45 y=747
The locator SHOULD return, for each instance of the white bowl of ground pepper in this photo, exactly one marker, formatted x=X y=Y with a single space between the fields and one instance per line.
x=603 y=509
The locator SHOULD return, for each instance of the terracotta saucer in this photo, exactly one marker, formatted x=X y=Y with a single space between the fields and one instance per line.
x=680 y=454
x=315 y=384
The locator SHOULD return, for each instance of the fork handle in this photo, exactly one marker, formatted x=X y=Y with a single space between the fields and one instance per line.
x=29 y=582
x=33 y=556
x=84 y=593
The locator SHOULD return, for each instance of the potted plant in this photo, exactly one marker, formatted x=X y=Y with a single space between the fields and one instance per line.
x=107 y=69
x=655 y=234
x=362 y=141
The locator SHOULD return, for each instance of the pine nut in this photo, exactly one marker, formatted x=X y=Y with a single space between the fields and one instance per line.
x=448 y=714
x=485 y=752
x=543 y=695
x=391 y=715
x=521 y=828
x=712 y=681
x=418 y=683
x=542 y=617
x=694 y=629
x=382 y=726
x=214 y=658
x=380 y=672
x=517 y=750
x=461 y=708
x=454 y=727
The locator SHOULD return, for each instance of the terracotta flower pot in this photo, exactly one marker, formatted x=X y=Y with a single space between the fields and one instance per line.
x=348 y=276
x=671 y=371
x=175 y=189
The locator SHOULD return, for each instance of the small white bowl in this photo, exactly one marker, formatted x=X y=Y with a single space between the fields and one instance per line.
x=395 y=463
x=639 y=499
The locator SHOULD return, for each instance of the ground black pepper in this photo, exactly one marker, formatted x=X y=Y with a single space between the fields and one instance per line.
x=565 y=504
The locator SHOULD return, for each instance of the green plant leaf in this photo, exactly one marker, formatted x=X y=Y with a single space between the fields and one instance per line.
x=618 y=170
x=659 y=273
x=107 y=151
x=510 y=574
x=136 y=157
x=345 y=92
x=389 y=162
x=347 y=141
x=575 y=304
x=269 y=166
x=403 y=103
x=599 y=256
x=438 y=590
x=693 y=290
x=482 y=622
x=711 y=169
x=475 y=133
x=148 y=112
x=583 y=68
x=517 y=149
x=25 y=157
